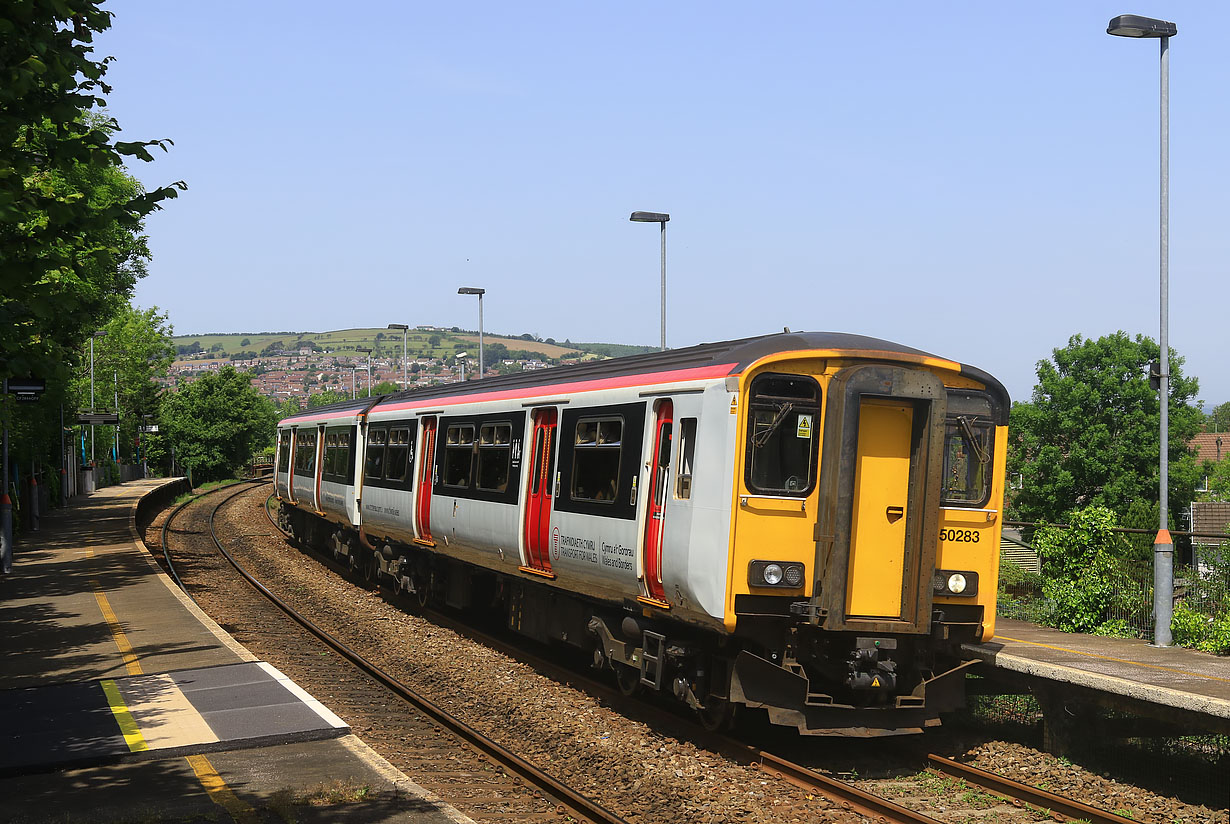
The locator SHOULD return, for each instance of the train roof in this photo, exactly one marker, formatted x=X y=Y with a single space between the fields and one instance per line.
x=703 y=360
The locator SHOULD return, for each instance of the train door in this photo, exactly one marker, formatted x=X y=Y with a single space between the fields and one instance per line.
x=318 y=466
x=659 y=485
x=540 y=493
x=881 y=501
x=427 y=465
x=292 y=464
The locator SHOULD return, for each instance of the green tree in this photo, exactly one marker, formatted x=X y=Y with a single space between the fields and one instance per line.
x=386 y=388
x=326 y=397
x=71 y=246
x=1089 y=435
x=1219 y=418
x=217 y=422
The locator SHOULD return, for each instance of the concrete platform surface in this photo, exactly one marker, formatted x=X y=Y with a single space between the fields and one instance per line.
x=121 y=701
x=1171 y=676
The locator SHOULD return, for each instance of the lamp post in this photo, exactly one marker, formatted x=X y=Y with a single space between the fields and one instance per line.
x=405 y=375
x=102 y=333
x=473 y=290
x=659 y=218
x=1131 y=25
x=368 y=351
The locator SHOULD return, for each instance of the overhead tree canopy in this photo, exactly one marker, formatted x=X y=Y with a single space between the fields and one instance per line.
x=1090 y=433
x=71 y=246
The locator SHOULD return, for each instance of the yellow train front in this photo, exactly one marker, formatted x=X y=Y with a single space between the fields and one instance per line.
x=864 y=536
x=806 y=523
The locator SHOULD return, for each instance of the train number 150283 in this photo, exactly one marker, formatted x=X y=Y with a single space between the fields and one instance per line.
x=960 y=536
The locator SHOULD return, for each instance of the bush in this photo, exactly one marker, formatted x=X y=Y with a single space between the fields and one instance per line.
x=1080 y=569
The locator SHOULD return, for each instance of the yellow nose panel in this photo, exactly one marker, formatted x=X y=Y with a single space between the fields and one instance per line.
x=881 y=500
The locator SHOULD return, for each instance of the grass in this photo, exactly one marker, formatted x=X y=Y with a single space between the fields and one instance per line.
x=286 y=804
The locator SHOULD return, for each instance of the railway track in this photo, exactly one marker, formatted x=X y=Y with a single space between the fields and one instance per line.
x=469 y=770
x=845 y=794
x=558 y=798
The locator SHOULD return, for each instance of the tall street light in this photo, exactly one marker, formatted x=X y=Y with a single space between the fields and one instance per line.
x=660 y=218
x=1131 y=25
x=405 y=375
x=474 y=290
x=102 y=333
x=368 y=350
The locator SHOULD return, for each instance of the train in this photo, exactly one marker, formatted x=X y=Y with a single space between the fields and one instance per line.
x=804 y=523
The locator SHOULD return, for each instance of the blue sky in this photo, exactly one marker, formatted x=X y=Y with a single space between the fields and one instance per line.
x=979 y=180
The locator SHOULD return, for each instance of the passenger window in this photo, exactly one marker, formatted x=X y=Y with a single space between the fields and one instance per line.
x=458 y=455
x=377 y=442
x=398 y=456
x=494 y=453
x=687 y=457
x=284 y=453
x=595 y=459
x=969 y=446
x=782 y=422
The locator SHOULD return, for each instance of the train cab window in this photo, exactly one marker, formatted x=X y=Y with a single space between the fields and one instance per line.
x=494 y=454
x=458 y=455
x=397 y=459
x=377 y=442
x=782 y=428
x=687 y=458
x=595 y=459
x=969 y=446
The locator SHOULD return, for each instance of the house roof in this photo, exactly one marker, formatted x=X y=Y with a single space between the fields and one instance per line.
x=1205 y=446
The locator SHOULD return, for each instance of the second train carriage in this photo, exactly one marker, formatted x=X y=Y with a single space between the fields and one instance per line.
x=806 y=522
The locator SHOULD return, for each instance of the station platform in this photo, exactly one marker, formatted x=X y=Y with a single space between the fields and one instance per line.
x=1168 y=683
x=120 y=700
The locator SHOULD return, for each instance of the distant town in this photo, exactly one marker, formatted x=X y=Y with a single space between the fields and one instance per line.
x=292 y=366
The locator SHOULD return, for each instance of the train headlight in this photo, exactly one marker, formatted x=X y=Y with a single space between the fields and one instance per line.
x=954 y=582
x=773 y=574
x=781 y=574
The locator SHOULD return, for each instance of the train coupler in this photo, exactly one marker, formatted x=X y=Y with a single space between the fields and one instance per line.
x=868 y=672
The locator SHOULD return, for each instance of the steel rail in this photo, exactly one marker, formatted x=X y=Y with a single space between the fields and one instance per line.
x=573 y=802
x=1007 y=788
x=166 y=529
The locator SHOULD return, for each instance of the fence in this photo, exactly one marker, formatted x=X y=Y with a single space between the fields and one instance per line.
x=1201 y=587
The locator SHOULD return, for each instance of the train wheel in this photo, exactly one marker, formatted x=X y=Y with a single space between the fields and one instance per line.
x=716 y=715
x=628 y=678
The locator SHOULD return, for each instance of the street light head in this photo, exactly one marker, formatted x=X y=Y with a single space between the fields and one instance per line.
x=403 y=327
x=1133 y=25
x=471 y=290
x=649 y=217
x=101 y=333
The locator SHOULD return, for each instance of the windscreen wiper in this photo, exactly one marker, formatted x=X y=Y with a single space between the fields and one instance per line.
x=761 y=438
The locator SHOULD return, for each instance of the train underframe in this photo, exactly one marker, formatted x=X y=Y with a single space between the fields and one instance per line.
x=817 y=681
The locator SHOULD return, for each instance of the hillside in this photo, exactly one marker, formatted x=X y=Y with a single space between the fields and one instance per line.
x=420 y=343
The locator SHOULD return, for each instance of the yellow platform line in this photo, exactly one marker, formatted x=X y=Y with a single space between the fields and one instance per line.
x=117 y=632
x=1116 y=660
x=220 y=793
x=128 y=724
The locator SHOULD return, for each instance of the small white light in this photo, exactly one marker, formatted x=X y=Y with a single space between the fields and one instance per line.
x=956 y=583
x=773 y=574
x=794 y=575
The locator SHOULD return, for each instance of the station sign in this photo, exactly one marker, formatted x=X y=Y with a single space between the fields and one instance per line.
x=152 y=428
x=25 y=389
x=98 y=418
